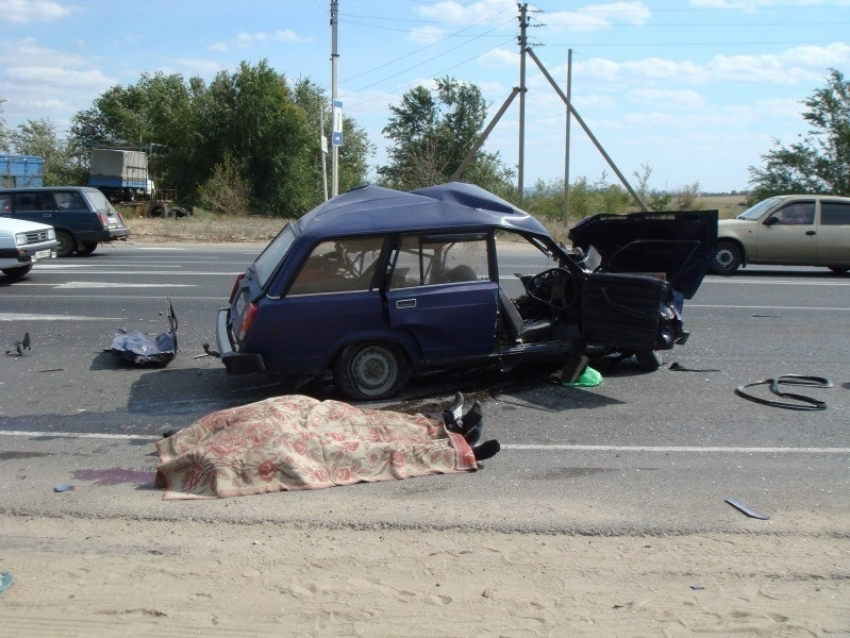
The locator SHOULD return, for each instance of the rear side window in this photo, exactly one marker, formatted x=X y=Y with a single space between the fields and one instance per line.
x=5 y=203
x=339 y=265
x=266 y=264
x=99 y=202
x=834 y=214
x=422 y=260
x=36 y=201
x=70 y=201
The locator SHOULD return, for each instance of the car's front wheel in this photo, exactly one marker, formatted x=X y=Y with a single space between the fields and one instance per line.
x=373 y=370
x=726 y=259
x=17 y=273
x=66 y=243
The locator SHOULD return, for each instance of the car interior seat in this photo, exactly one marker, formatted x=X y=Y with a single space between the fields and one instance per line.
x=519 y=329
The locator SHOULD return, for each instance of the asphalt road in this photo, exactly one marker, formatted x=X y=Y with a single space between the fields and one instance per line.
x=652 y=453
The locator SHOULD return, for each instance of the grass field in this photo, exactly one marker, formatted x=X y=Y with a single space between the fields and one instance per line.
x=206 y=227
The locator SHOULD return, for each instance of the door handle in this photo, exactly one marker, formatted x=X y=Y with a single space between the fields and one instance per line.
x=810 y=233
x=405 y=303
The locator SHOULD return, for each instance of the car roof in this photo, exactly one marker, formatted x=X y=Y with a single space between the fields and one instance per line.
x=811 y=196
x=25 y=189
x=453 y=206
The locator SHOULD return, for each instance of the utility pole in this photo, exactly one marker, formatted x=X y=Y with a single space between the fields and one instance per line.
x=523 y=23
x=334 y=61
x=567 y=142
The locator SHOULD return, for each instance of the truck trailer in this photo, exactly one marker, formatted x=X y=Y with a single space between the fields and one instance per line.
x=120 y=175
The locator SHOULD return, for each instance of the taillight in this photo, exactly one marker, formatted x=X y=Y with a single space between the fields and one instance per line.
x=246 y=320
x=104 y=220
x=236 y=287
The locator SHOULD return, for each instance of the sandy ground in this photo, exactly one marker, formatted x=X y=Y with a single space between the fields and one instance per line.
x=112 y=578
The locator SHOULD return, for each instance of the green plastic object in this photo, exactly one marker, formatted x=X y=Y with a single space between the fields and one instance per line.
x=588 y=379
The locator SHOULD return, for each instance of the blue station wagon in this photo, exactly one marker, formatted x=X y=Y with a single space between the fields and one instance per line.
x=377 y=284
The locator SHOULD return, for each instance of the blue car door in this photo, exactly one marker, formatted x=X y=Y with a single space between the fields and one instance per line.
x=441 y=293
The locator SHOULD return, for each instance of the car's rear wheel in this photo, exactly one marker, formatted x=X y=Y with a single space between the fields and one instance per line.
x=373 y=370
x=66 y=243
x=726 y=259
x=839 y=270
x=87 y=248
x=17 y=273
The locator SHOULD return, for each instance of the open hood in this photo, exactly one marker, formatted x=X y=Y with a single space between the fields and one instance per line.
x=679 y=244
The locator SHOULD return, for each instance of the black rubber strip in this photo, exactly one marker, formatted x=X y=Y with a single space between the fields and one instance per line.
x=806 y=403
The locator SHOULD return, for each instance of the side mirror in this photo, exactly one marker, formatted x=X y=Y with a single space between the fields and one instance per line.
x=770 y=221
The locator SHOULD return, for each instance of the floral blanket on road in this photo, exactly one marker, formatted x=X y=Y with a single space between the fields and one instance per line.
x=295 y=442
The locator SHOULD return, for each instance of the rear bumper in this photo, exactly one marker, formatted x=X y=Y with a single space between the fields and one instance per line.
x=235 y=362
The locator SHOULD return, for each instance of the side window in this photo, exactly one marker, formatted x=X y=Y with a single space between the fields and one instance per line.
x=70 y=201
x=834 y=214
x=797 y=213
x=423 y=260
x=25 y=202
x=5 y=204
x=339 y=265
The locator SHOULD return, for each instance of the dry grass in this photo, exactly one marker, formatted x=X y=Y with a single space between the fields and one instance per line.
x=207 y=228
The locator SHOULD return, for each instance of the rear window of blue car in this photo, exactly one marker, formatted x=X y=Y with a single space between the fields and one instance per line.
x=266 y=264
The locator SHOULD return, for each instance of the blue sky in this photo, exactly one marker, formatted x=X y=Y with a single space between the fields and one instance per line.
x=696 y=90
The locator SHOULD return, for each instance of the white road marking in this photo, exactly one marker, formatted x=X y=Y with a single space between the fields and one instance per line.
x=668 y=449
x=84 y=435
x=510 y=446
x=11 y=316
x=99 y=284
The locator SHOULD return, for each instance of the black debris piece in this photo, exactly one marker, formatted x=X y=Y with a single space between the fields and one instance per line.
x=147 y=350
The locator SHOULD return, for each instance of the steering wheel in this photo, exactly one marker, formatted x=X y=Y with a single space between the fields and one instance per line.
x=553 y=287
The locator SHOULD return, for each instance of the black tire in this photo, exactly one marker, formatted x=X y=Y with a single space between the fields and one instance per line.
x=727 y=259
x=648 y=360
x=157 y=209
x=839 y=270
x=17 y=273
x=372 y=370
x=67 y=245
x=87 y=248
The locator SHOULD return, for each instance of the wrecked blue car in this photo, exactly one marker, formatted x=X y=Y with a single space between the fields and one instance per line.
x=376 y=285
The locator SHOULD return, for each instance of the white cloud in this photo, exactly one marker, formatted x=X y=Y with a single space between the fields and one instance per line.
x=198 y=67
x=27 y=52
x=32 y=10
x=667 y=98
x=500 y=58
x=476 y=12
x=55 y=77
x=598 y=16
x=244 y=39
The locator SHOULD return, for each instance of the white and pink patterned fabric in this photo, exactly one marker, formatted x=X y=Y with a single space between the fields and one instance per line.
x=295 y=442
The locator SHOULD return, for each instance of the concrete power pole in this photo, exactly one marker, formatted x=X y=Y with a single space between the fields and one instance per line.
x=334 y=61
x=523 y=23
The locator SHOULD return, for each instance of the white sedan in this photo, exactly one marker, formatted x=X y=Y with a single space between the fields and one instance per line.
x=22 y=243
x=789 y=230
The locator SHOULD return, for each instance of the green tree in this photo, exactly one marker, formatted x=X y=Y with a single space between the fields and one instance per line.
x=4 y=134
x=432 y=132
x=61 y=156
x=819 y=162
x=248 y=125
x=353 y=154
